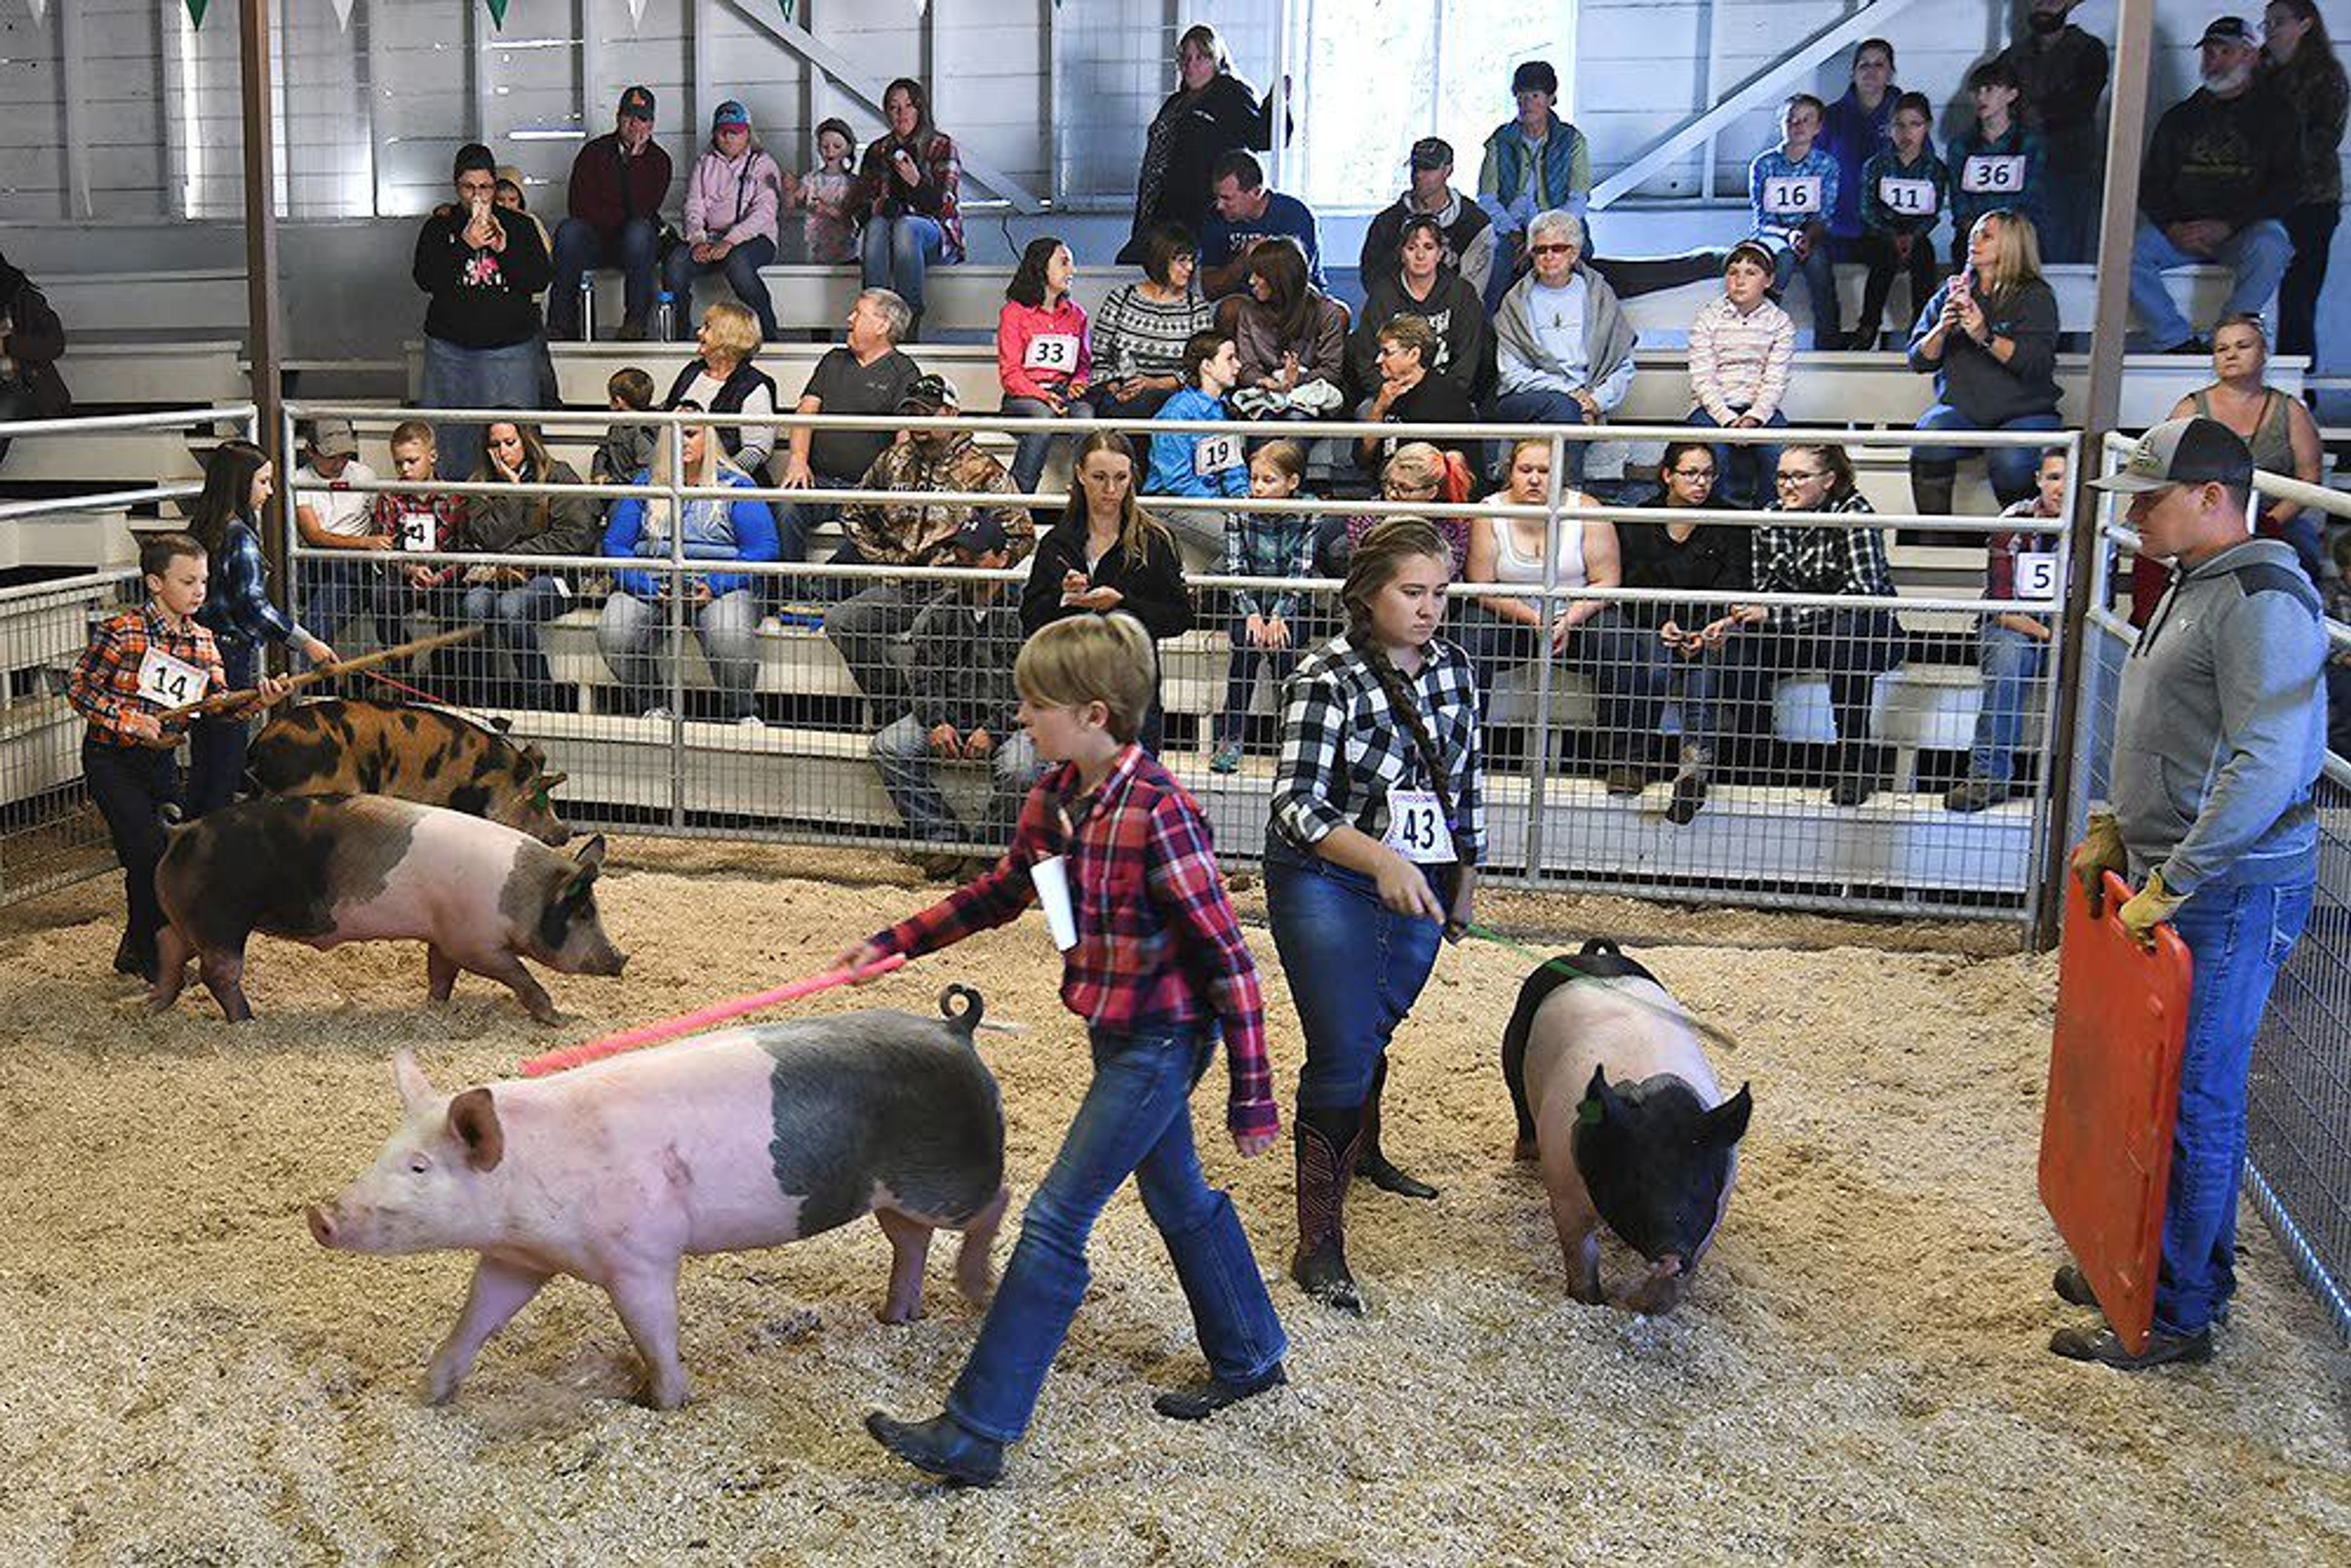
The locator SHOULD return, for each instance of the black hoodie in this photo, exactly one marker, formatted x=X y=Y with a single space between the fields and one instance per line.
x=34 y=342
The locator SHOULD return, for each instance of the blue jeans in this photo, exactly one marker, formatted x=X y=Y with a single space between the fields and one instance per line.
x=2257 y=253
x=1240 y=676
x=1546 y=407
x=798 y=521
x=216 y=743
x=632 y=634
x=1820 y=282
x=897 y=250
x=2011 y=468
x=1354 y=967
x=2238 y=938
x=1136 y=1117
x=1032 y=447
x=476 y=378
x=742 y=269
x=511 y=617
x=1852 y=647
x=335 y=590
x=1747 y=471
x=2009 y=663
x=902 y=754
x=1662 y=671
x=580 y=249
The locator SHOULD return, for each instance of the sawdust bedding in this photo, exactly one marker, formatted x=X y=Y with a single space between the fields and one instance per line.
x=1858 y=1374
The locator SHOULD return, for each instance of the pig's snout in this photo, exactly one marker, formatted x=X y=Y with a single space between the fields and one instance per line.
x=322 y=1224
x=612 y=961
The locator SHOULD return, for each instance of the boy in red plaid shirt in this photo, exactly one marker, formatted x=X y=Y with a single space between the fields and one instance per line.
x=139 y=665
x=1154 y=963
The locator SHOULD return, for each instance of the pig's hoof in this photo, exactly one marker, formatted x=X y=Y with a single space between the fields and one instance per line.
x=976 y=1284
x=891 y=1313
x=662 y=1393
x=441 y=1385
x=1525 y=1149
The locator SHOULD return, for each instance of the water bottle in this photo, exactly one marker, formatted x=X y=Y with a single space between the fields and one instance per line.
x=587 y=307
x=664 y=317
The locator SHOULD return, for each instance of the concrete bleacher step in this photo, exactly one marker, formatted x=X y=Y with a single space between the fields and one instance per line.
x=93 y=539
x=187 y=373
x=123 y=458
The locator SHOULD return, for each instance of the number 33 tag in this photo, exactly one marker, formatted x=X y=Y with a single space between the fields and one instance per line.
x=1417 y=827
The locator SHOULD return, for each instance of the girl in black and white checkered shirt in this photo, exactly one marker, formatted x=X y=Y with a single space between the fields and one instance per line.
x=1378 y=815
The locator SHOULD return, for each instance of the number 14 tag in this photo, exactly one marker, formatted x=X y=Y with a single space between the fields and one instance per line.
x=1417 y=827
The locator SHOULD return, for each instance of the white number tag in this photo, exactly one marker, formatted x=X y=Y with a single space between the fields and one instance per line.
x=1792 y=194
x=2036 y=576
x=1417 y=827
x=1912 y=198
x=1984 y=175
x=168 y=681
x=1214 y=455
x=1051 y=351
x=418 y=532
x=1051 y=876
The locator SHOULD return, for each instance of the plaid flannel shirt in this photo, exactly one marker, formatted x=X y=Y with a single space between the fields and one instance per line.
x=105 y=685
x=448 y=514
x=1158 y=944
x=1821 y=560
x=1269 y=544
x=237 y=602
x=1342 y=750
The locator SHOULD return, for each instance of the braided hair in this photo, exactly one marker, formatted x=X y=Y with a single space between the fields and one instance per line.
x=1370 y=568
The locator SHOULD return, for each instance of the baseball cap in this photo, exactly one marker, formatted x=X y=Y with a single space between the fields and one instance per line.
x=1432 y=153
x=2229 y=30
x=333 y=438
x=982 y=534
x=2183 y=452
x=731 y=112
x=929 y=394
x=637 y=103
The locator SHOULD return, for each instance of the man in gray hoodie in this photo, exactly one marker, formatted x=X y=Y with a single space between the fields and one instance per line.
x=2220 y=733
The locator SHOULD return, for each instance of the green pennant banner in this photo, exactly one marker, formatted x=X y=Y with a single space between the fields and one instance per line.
x=196 y=12
x=498 y=13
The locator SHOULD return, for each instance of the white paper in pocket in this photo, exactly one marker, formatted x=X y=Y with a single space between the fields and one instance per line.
x=1051 y=876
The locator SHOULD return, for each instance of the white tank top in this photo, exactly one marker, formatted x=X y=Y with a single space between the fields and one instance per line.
x=1514 y=565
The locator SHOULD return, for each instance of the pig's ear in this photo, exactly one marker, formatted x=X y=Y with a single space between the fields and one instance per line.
x=409 y=1079
x=1727 y=1122
x=473 y=1122
x=1600 y=1101
x=590 y=854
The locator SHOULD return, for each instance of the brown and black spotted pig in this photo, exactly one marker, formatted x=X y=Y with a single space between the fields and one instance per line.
x=429 y=755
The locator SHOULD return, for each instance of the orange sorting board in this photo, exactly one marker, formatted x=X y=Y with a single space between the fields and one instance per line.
x=2114 y=1095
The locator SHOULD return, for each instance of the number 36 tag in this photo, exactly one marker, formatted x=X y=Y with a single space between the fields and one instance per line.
x=1417 y=827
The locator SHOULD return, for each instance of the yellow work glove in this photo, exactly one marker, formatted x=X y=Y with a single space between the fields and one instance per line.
x=2100 y=851
x=2150 y=908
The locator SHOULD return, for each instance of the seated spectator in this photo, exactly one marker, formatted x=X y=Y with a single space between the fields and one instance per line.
x=909 y=189
x=482 y=273
x=342 y=520
x=1107 y=553
x=1465 y=234
x=1740 y=346
x=634 y=627
x=1791 y=187
x=417 y=597
x=898 y=527
x=511 y=604
x=1247 y=214
x=1564 y=347
x=32 y=340
x=1534 y=163
x=960 y=652
x=1410 y=390
x=1903 y=190
x=1855 y=646
x=733 y=200
x=1043 y=359
x=1212 y=110
x=826 y=197
x=2222 y=171
x=1853 y=130
x=723 y=379
x=2011 y=646
x=2298 y=64
x=1418 y=476
x=1198 y=465
x=1141 y=330
x=867 y=375
x=1988 y=337
x=1996 y=164
x=1292 y=339
x=1587 y=635
x=2283 y=435
x=1420 y=284
x=614 y=197
x=1266 y=631
x=1687 y=644
x=627 y=445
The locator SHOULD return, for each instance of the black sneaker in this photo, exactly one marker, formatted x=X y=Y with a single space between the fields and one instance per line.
x=2104 y=1347
x=1852 y=789
x=2197 y=347
x=941 y=1448
x=1201 y=1400
x=1973 y=795
x=1690 y=795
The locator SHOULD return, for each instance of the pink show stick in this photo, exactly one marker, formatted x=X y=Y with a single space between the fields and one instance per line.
x=686 y=1023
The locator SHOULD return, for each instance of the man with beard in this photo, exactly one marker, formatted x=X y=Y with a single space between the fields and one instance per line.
x=2222 y=173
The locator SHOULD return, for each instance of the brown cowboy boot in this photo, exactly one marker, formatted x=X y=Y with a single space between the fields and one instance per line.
x=1326 y=1142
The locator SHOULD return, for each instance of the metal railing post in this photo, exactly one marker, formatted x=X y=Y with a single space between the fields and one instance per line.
x=2051 y=784
x=673 y=441
x=1538 y=760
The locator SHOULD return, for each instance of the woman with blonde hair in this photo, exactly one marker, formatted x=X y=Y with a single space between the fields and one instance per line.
x=1212 y=112
x=723 y=379
x=2283 y=435
x=1988 y=337
x=726 y=616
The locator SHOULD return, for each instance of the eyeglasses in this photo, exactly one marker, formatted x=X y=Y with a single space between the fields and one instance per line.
x=1693 y=472
x=1789 y=481
x=1551 y=250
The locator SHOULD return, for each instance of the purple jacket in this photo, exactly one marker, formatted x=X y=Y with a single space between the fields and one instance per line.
x=730 y=204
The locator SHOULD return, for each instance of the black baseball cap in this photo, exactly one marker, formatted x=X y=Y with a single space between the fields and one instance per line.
x=982 y=534
x=1432 y=153
x=929 y=394
x=2230 y=31
x=2183 y=452
x=637 y=103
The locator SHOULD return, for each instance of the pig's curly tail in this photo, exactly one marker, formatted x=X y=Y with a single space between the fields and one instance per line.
x=964 y=1020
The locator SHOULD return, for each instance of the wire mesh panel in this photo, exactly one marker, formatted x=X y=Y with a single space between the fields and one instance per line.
x=49 y=834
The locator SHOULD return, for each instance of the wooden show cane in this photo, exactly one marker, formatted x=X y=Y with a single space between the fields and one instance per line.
x=228 y=701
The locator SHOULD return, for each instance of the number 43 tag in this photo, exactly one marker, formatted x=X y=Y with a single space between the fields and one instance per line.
x=1417 y=827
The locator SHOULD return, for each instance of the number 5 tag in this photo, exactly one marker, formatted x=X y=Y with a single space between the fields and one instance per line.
x=1417 y=827
x=2036 y=576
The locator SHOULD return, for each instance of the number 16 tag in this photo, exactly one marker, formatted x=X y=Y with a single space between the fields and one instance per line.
x=1417 y=827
